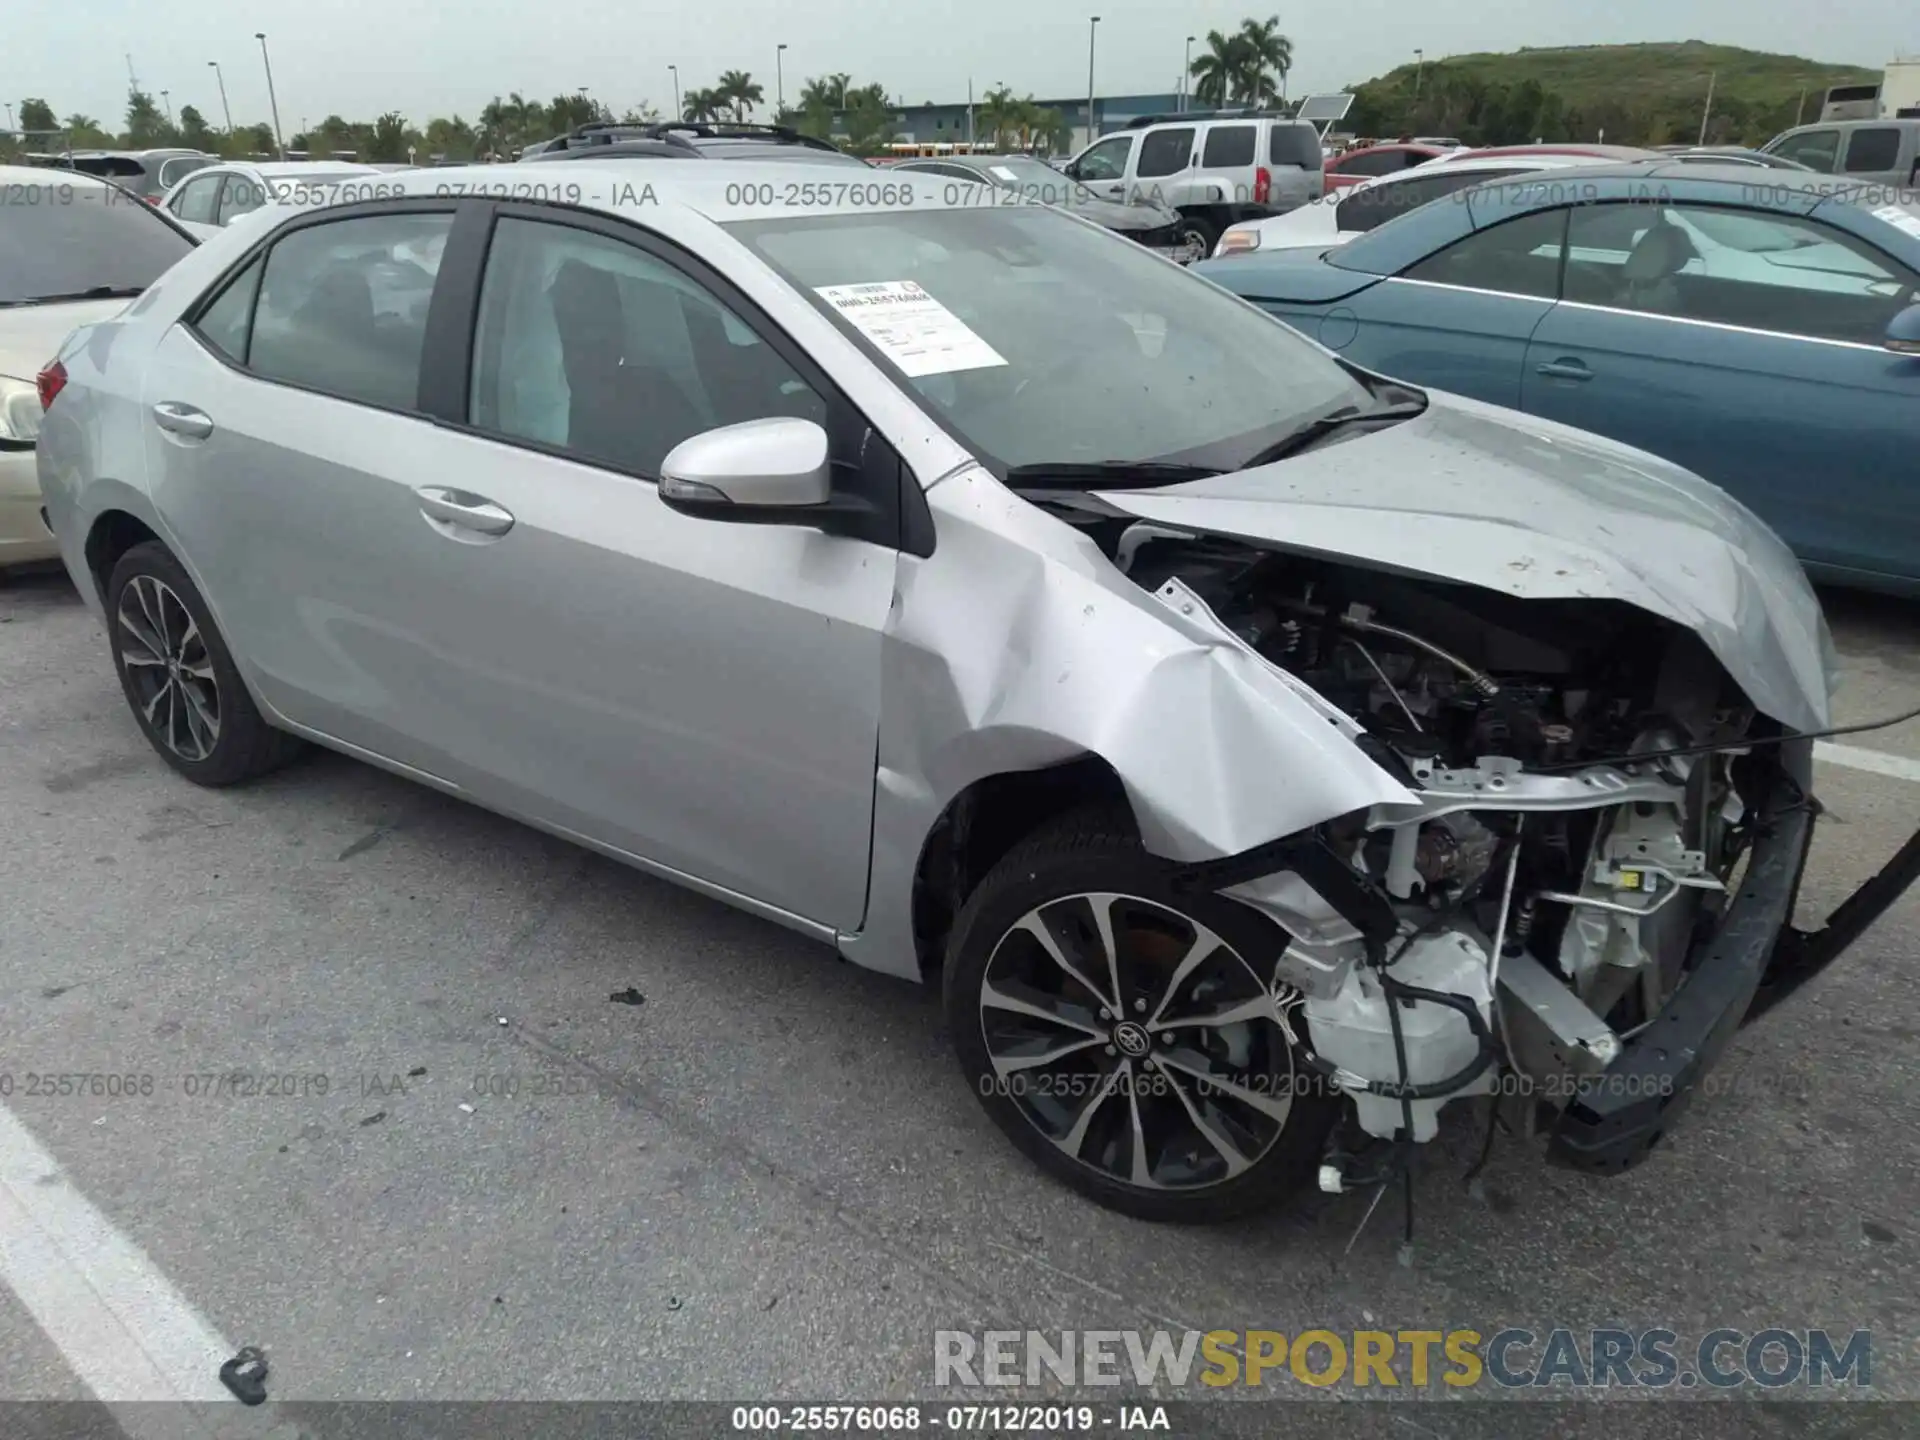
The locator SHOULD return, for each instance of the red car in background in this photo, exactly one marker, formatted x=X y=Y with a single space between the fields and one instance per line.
x=1374 y=161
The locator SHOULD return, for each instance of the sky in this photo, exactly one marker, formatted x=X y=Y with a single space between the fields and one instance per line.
x=359 y=58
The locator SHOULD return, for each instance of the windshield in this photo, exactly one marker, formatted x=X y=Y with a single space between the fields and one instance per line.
x=65 y=237
x=1041 y=340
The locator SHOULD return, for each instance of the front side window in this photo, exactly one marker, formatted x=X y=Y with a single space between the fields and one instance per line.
x=595 y=346
x=1107 y=160
x=343 y=307
x=67 y=235
x=1815 y=149
x=1165 y=152
x=1876 y=149
x=1758 y=270
x=1039 y=340
x=1516 y=257
x=1228 y=146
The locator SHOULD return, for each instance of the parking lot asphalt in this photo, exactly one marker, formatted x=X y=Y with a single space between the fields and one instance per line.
x=485 y=1178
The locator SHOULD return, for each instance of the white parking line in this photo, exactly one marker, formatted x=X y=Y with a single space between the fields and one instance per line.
x=126 y=1332
x=1876 y=761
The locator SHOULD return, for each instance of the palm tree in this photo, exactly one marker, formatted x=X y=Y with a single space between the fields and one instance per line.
x=829 y=92
x=703 y=105
x=1264 y=50
x=1217 y=70
x=738 y=89
x=998 y=114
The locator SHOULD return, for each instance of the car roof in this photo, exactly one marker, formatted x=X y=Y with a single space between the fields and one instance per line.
x=1498 y=162
x=270 y=168
x=629 y=186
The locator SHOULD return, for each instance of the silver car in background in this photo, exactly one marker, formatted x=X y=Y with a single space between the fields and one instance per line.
x=1259 y=753
x=73 y=249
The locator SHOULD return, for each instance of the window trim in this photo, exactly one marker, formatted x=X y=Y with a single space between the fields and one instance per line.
x=901 y=519
x=327 y=215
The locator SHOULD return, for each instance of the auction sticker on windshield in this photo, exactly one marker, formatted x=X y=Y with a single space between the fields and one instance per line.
x=912 y=329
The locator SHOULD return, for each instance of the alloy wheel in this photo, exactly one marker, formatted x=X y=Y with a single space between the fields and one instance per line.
x=1137 y=1041
x=169 y=671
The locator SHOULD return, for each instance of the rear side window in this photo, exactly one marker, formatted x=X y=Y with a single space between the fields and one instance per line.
x=1370 y=162
x=343 y=307
x=238 y=195
x=1380 y=203
x=1228 y=146
x=1296 y=145
x=195 y=200
x=1516 y=257
x=1165 y=152
x=225 y=324
x=173 y=171
x=67 y=235
x=1871 y=150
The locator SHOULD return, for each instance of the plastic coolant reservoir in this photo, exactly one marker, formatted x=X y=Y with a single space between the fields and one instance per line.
x=1352 y=1029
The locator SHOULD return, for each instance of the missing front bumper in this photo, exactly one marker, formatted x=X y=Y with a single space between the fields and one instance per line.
x=1754 y=959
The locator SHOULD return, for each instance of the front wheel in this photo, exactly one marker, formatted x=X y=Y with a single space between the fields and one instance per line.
x=1201 y=233
x=1129 y=1037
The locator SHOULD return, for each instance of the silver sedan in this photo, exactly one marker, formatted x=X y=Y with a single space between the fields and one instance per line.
x=1261 y=754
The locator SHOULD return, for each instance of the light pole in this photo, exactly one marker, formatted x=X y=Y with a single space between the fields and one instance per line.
x=675 y=71
x=167 y=105
x=779 y=81
x=9 y=117
x=223 y=94
x=1419 y=66
x=1093 y=25
x=278 y=144
x=1186 y=70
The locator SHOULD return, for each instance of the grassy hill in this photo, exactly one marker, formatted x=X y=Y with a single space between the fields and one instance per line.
x=1646 y=94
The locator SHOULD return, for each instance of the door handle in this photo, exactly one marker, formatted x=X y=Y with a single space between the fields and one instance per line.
x=467 y=512
x=1565 y=370
x=178 y=419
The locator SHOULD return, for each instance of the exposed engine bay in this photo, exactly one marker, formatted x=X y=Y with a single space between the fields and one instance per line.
x=1543 y=899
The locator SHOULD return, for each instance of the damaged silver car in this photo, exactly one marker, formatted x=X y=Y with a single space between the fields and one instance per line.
x=1259 y=753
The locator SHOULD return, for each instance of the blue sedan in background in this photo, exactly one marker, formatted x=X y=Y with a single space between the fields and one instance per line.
x=1759 y=328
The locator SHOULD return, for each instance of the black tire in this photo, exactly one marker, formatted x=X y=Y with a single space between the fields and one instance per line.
x=1096 y=851
x=242 y=745
x=1198 y=230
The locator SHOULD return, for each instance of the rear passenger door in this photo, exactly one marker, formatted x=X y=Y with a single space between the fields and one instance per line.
x=701 y=695
x=284 y=438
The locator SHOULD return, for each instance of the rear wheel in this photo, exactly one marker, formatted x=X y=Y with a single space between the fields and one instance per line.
x=179 y=677
x=1129 y=1037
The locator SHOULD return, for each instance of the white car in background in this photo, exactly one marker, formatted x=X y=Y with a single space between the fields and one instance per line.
x=1340 y=215
x=209 y=200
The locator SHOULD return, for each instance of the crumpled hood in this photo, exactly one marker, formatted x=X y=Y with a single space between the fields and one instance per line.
x=1473 y=493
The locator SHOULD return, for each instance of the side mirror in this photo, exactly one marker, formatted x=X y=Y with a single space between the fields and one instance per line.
x=759 y=471
x=1903 y=332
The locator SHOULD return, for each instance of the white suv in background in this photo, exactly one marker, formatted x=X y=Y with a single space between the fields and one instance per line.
x=1342 y=214
x=1217 y=168
x=209 y=200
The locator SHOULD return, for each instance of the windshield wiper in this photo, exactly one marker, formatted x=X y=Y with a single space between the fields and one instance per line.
x=97 y=292
x=1331 y=423
x=1104 y=474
